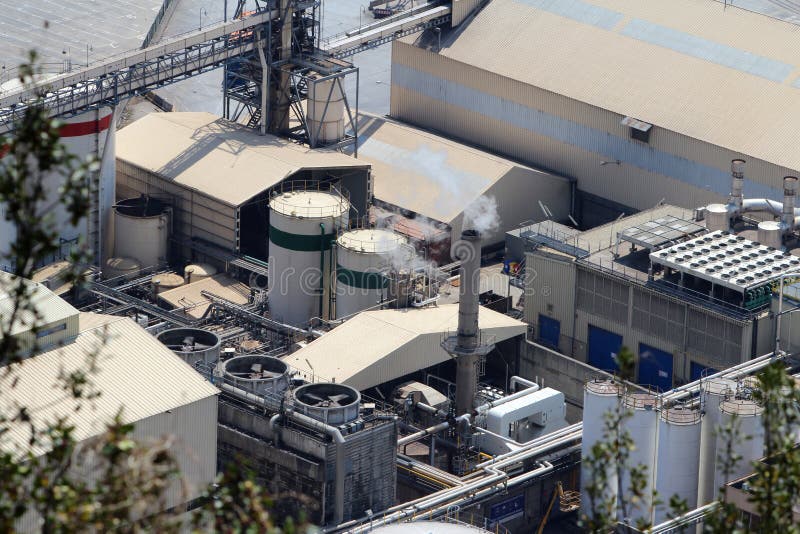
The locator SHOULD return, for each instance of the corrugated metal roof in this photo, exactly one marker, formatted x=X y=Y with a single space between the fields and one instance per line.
x=133 y=371
x=727 y=77
x=376 y=346
x=192 y=302
x=49 y=307
x=425 y=173
x=217 y=157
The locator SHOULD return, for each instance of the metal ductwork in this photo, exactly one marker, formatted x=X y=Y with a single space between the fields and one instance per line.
x=770 y=233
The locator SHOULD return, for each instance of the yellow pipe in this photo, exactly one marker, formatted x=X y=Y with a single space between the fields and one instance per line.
x=435 y=480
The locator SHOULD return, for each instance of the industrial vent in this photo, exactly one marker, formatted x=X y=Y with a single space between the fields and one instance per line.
x=334 y=404
x=258 y=374
x=639 y=130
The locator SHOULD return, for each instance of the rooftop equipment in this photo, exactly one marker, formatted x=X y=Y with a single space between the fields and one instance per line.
x=333 y=404
x=466 y=346
x=192 y=344
x=256 y=373
x=141 y=230
x=770 y=233
x=304 y=217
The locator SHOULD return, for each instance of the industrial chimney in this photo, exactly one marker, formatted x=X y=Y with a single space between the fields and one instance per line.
x=789 y=192
x=737 y=183
x=466 y=346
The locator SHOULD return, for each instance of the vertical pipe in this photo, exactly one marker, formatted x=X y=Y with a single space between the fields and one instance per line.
x=737 y=182
x=321 y=267
x=789 y=192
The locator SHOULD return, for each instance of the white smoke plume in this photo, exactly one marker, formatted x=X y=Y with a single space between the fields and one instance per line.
x=482 y=215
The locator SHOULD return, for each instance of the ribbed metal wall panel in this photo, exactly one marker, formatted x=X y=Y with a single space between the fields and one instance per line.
x=550 y=291
x=436 y=92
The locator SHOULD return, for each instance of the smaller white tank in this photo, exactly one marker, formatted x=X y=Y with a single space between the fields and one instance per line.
x=744 y=414
x=325 y=116
x=198 y=271
x=717 y=218
x=141 y=230
x=165 y=282
x=770 y=234
x=642 y=426
x=363 y=258
x=118 y=270
x=678 y=459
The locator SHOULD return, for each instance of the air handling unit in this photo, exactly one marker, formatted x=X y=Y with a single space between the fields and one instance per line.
x=304 y=218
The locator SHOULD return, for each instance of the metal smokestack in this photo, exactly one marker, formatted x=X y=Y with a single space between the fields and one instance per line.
x=469 y=252
x=737 y=183
x=466 y=346
x=789 y=192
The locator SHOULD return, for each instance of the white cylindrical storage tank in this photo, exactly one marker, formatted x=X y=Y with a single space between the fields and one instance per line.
x=165 y=282
x=746 y=416
x=712 y=393
x=302 y=226
x=326 y=109
x=88 y=134
x=363 y=258
x=198 y=271
x=717 y=217
x=193 y=345
x=678 y=458
x=121 y=269
x=600 y=397
x=642 y=426
x=770 y=234
x=141 y=230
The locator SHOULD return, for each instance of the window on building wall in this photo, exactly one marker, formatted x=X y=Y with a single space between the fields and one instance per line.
x=639 y=130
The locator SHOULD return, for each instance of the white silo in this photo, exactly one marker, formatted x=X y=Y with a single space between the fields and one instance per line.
x=600 y=397
x=744 y=415
x=141 y=230
x=642 y=426
x=89 y=134
x=363 y=258
x=198 y=271
x=712 y=393
x=326 y=107
x=678 y=457
x=302 y=225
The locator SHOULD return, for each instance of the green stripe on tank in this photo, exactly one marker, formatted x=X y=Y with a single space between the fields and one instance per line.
x=300 y=243
x=359 y=279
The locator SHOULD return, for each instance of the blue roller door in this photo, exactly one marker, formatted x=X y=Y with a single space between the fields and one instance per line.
x=549 y=331
x=603 y=348
x=696 y=371
x=655 y=367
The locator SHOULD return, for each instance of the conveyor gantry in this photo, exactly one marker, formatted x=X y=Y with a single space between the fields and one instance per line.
x=138 y=71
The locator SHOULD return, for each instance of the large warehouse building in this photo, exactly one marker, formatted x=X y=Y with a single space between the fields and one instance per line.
x=217 y=176
x=639 y=101
x=422 y=174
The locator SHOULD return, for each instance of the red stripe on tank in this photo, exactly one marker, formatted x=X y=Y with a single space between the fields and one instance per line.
x=77 y=129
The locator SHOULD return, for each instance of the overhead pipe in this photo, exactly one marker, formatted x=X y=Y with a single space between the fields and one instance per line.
x=533 y=387
x=416 y=436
